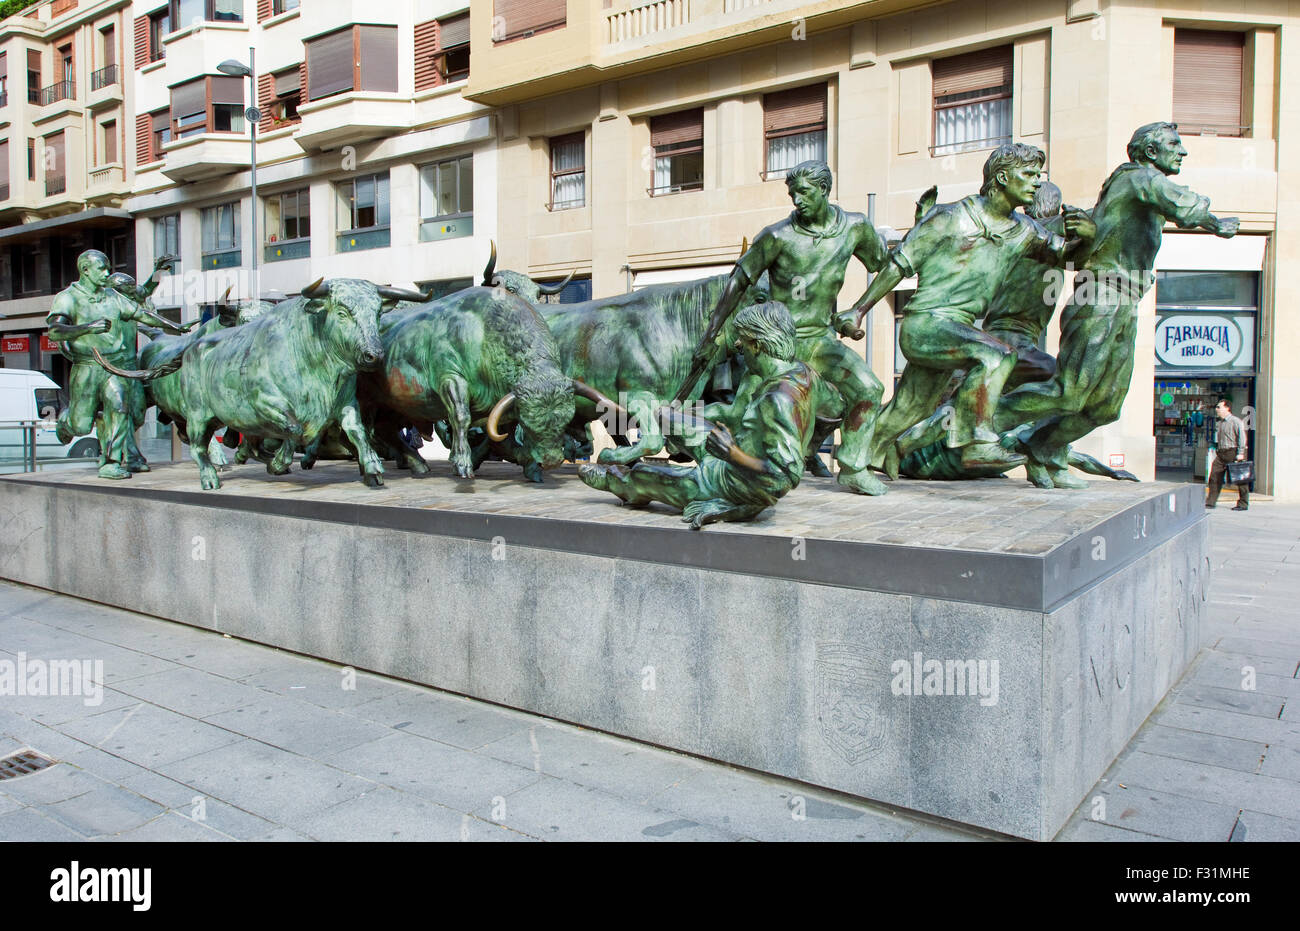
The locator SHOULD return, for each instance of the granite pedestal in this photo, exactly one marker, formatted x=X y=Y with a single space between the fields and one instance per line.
x=804 y=644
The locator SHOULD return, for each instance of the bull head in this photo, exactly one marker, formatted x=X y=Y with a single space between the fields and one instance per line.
x=579 y=388
x=358 y=302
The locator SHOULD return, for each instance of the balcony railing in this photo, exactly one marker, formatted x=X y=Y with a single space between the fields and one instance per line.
x=64 y=90
x=104 y=77
x=646 y=19
x=55 y=184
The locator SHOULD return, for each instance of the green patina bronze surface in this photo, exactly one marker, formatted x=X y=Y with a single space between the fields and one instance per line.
x=961 y=254
x=1099 y=324
x=805 y=257
x=462 y=358
x=754 y=448
x=89 y=315
x=288 y=375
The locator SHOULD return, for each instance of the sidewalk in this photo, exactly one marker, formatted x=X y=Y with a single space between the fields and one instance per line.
x=201 y=737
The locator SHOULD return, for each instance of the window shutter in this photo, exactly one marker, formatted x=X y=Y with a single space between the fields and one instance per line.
x=55 y=144
x=263 y=10
x=672 y=128
x=378 y=50
x=521 y=17
x=453 y=32
x=188 y=99
x=800 y=109
x=975 y=71
x=288 y=82
x=141 y=41
x=265 y=96
x=144 y=139
x=1207 y=81
x=426 y=55
x=302 y=79
x=329 y=64
x=227 y=90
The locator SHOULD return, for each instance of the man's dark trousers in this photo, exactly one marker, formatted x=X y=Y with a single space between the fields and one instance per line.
x=1218 y=472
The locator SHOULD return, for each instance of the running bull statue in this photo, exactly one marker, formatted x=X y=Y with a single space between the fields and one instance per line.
x=481 y=357
x=288 y=375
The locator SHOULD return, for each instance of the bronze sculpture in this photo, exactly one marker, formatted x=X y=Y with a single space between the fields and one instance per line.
x=1099 y=324
x=805 y=257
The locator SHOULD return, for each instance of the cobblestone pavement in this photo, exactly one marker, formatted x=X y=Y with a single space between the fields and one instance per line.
x=197 y=736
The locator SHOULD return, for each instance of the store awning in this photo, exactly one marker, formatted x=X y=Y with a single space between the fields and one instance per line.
x=97 y=217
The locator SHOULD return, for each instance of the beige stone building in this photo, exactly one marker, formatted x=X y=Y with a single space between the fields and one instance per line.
x=64 y=172
x=642 y=141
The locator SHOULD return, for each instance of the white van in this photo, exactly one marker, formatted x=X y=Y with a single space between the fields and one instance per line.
x=28 y=395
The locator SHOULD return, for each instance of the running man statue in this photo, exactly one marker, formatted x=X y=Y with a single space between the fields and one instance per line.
x=805 y=257
x=961 y=254
x=1099 y=324
x=89 y=315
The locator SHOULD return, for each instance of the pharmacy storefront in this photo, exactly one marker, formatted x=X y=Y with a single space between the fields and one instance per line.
x=1206 y=344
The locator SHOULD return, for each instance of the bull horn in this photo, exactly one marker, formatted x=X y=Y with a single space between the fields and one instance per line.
x=317 y=288
x=495 y=415
x=584 y=390
x=556 y=288
x=139 y=374
x=744 y=245
x=491 y=266
x=403 y=294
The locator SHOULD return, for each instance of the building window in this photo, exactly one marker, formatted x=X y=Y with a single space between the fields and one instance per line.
x=167 y=236
x=363 y=213
x=160 y=23
x=31 y=159
x=33 y=76
x=108 y=133
x=362 y=58
x=4 y=79
x=568 y=171
x=517 y=19
x=212 y=104
x=220 y=226
x=283 y=6
x=56 y=179
x=441 y=51
x=4 y=169
x=678 y=142
x=161 y=133
x=794 y=127
x=1208 y=72
x=288 y=225
x=287 y=90
x=972 y=101
x=447 y=199
x=185 y=13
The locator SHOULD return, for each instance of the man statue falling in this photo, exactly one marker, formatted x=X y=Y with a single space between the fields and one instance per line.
x=805 y=257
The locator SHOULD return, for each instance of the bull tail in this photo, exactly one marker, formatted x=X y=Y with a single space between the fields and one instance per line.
x=166 y=368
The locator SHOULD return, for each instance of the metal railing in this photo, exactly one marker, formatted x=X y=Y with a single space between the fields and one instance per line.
x=103 y=77
x=27 y=430
x=64 y=90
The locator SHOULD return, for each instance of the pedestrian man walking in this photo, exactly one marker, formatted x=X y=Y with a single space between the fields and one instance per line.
x=1230 y=445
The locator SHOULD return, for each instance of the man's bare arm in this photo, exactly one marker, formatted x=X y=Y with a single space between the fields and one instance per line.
x=849 y=323
x=706 y=354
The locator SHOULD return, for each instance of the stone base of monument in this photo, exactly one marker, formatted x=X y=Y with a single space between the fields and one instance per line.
x=980 y=650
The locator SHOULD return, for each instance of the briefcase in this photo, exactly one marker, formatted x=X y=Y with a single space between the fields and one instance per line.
x=1240 y=473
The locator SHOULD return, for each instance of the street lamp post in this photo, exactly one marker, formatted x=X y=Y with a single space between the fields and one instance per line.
x=253 y=115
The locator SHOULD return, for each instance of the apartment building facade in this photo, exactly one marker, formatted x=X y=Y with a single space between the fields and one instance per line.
x=370 y=164
x=643 y=141
x=64 y=170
